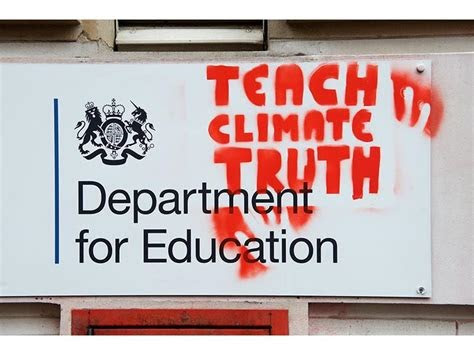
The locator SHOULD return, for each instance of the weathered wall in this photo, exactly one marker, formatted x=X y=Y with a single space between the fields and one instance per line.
x=305 y=318
x=29 y=319
x=452 y=178
x=389 y=319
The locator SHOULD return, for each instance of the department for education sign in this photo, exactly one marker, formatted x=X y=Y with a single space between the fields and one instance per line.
x=233 y=178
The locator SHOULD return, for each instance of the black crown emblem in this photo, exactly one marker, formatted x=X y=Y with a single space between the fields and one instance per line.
x=113 y=110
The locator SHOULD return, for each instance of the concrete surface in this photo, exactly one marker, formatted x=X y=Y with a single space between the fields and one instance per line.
x=380 y=327
x=29 y=319
x=389 y=319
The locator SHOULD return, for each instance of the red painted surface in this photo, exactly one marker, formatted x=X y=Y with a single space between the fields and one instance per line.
x=299 y=218
x=314 y=125
x=367 y=84
x=226 y=224
x=222 y=74
x=321 y=95
x=337 y=116
x=309 y=172
x=252 y=85
x=215 y=129
x=178 y=321
x=423 y=93
x=365 y=167
x=333 y=155
x=240 y=134
x=268 y=166
x=232 y=157
x=289 y=77
x=358 y=126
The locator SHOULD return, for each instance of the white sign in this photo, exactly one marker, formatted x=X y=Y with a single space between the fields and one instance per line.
x=308 y=178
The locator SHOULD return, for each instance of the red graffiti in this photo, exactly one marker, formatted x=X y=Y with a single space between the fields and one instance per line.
x=365 y=167
x=423 y=93
x=289 y=78
x=322 y=126
x=252 y=86
x=367 y=84
x=299 y=218
x=226 y=224
x=320 y=94
x=270 y=164
x=222 y=74
x=232 y=158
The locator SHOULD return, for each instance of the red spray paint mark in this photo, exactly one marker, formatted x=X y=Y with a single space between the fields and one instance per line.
x=299 y=218
x=277 y=213
x=261 y=211
x=422 y=94
x=226 y=224
x=248 y=270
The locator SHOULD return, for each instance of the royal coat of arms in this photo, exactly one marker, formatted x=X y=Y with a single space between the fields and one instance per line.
x=112 y=138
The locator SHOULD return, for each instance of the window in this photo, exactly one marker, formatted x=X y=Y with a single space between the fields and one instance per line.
x=184 y=35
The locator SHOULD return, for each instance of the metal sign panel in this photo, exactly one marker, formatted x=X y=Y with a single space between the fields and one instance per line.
x=309 y=178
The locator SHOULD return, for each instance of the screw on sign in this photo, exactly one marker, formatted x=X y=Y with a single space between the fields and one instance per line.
x=421 y=290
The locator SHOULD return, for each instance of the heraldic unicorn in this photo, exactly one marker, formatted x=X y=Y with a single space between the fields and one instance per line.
x=114 y=139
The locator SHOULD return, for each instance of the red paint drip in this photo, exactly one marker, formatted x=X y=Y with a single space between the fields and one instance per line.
x=261 y=211
x=300 y=218
x=277 y=213
x=226 y=224
x=248 y=270
x=422 y=94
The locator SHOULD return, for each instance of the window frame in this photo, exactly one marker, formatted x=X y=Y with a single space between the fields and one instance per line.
x=86 y=321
